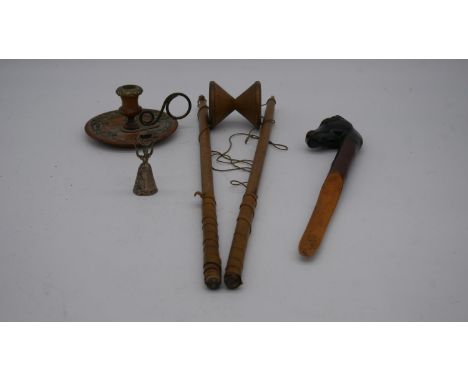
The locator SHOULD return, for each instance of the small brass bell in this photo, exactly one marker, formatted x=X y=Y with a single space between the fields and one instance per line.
x=144 y=182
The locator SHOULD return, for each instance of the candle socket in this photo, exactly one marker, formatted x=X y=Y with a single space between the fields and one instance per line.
x=130 y=107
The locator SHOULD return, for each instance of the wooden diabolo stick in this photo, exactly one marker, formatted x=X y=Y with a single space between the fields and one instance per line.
x=333 y=133
x=211 y=258
x=235 y=264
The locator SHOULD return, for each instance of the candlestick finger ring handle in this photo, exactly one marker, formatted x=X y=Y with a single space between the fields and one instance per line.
x=149 y=117
x=121 y=127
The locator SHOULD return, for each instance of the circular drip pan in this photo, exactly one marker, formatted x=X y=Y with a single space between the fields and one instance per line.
x=108 y=129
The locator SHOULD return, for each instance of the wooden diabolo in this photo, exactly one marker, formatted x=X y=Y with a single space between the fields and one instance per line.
x=221 y=105
x=249 y=104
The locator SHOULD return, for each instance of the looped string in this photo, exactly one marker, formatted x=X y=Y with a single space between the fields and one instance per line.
x=278 y=146
x=225 y=158
x=238 y=183
x=205 y=197
x=200 y=108
x=240 y=164
x=203 y=132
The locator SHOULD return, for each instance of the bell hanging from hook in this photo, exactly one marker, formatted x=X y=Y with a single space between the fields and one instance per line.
x=144 y=183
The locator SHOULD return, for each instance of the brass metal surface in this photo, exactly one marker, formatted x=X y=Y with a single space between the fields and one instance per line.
x=108 y=128
x=144 y=183
x=121 y=127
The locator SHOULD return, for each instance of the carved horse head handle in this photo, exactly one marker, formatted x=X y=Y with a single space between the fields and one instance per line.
x=331 y=134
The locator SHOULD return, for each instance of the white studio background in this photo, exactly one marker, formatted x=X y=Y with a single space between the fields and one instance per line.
x=77 y=245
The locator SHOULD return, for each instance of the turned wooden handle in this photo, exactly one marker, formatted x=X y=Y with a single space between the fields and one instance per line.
x=235 y=264
x=323 y=211
x=211 y=258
